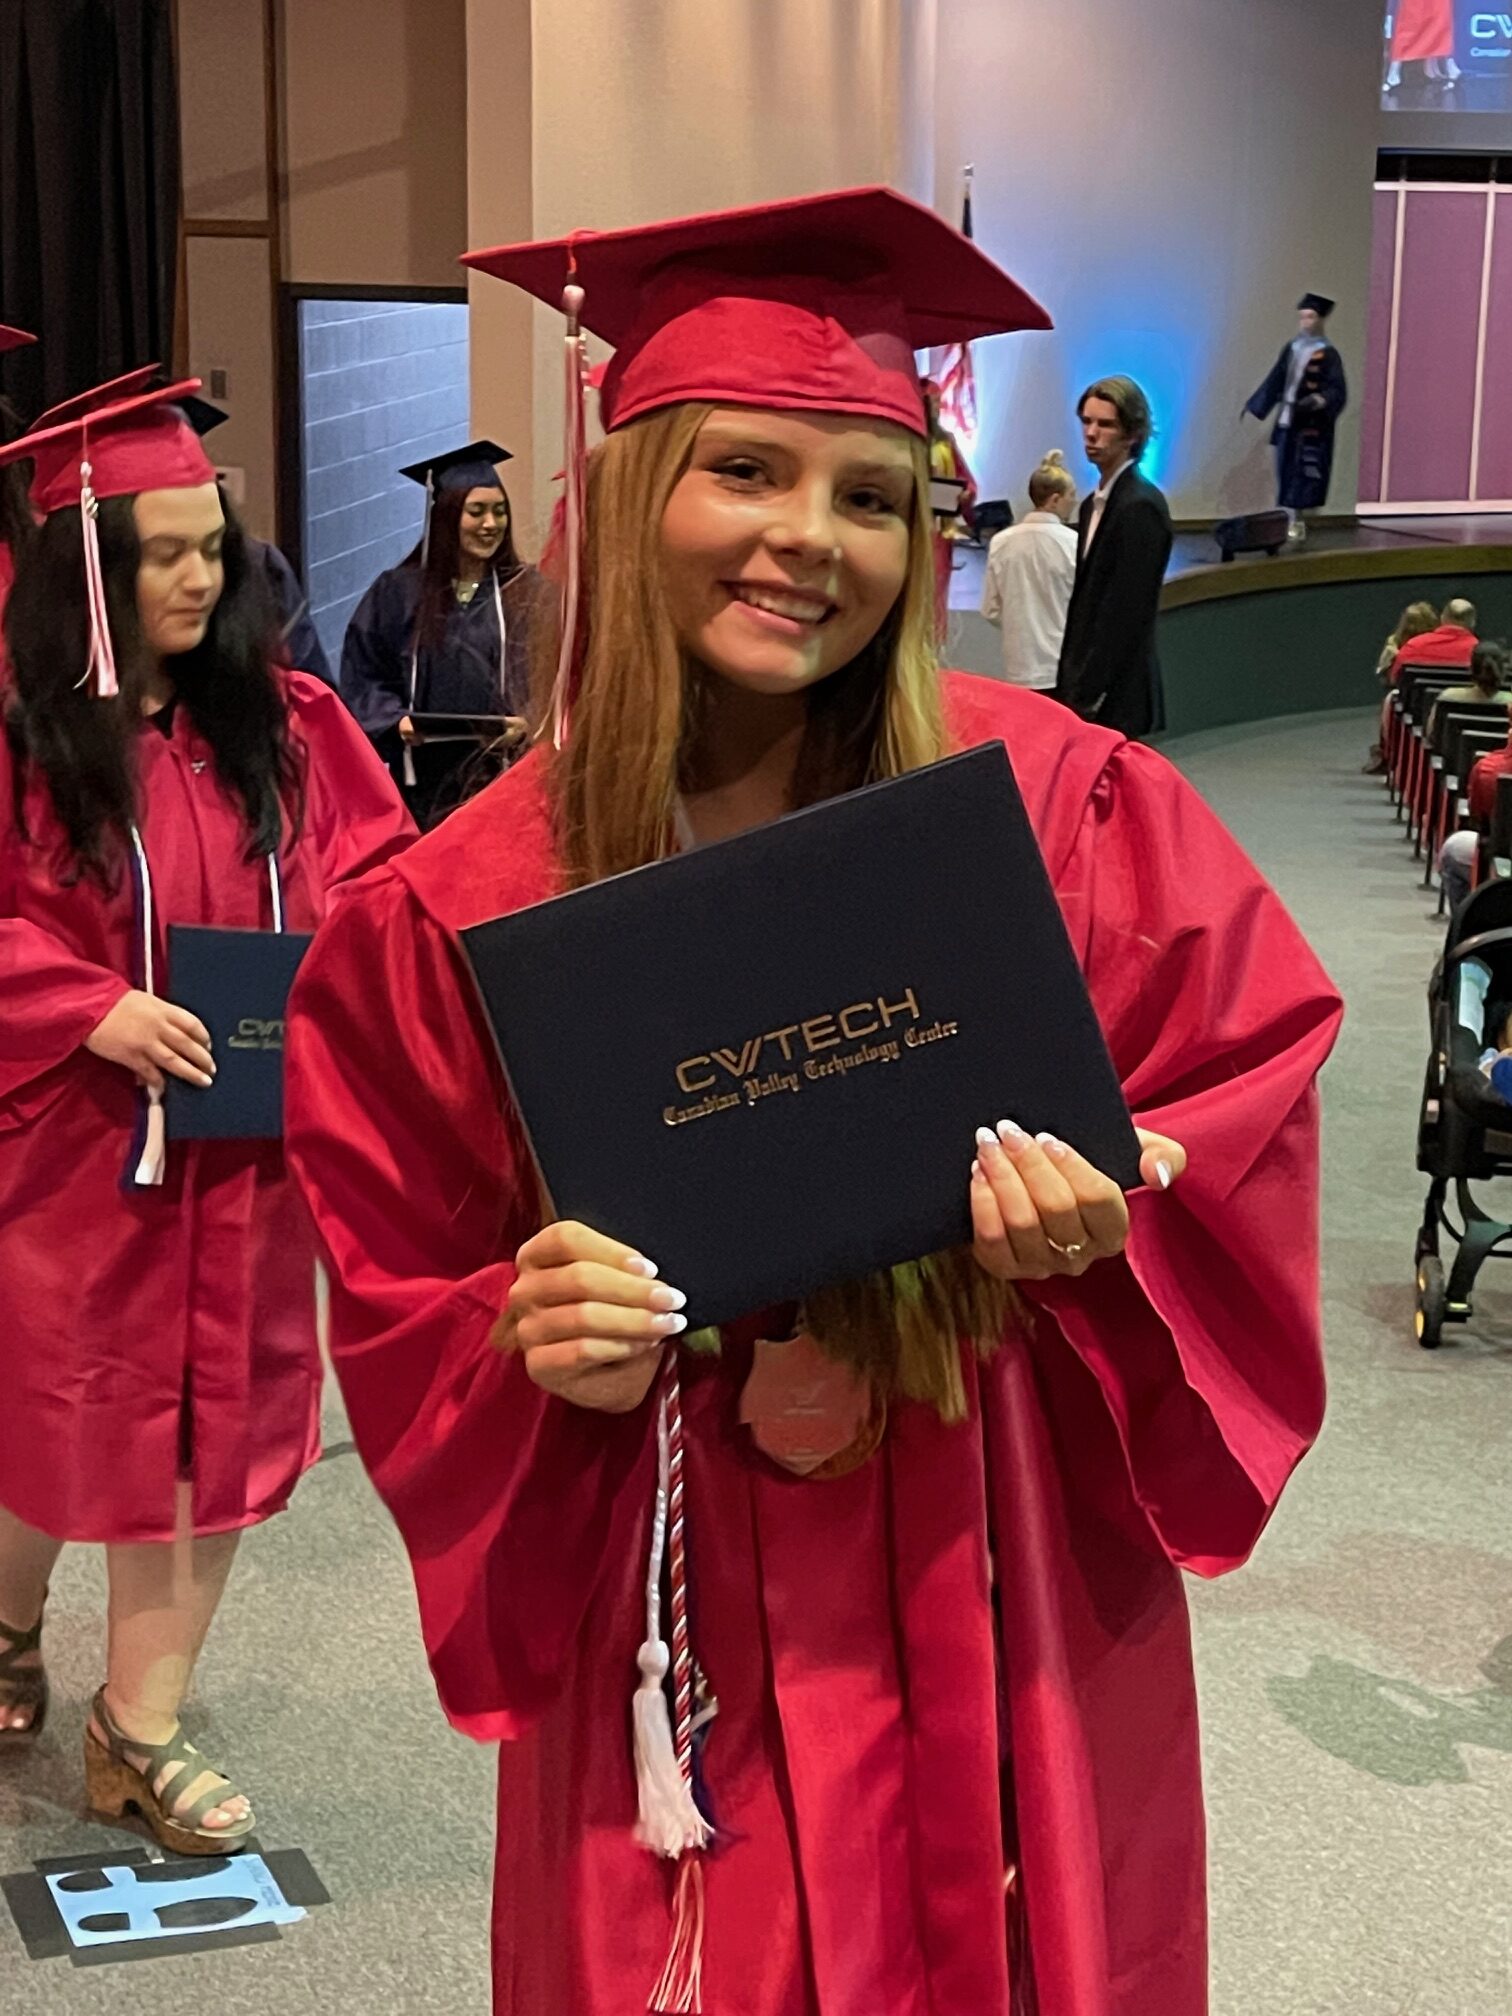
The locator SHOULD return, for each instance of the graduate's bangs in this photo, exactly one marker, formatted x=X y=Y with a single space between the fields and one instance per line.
x=614 y=790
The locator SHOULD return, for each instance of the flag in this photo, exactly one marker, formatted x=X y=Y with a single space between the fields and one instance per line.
x=955 y=373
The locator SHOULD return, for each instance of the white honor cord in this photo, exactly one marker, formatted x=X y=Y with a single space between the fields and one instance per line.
x=658 y=1527
x=148 y=1173
x=153 y=1159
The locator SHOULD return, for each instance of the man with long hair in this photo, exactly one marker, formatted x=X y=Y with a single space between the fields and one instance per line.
x=1109 y=669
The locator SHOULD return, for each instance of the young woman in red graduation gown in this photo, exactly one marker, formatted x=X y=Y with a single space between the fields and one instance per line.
x=161 y=1372
x=954 y=1764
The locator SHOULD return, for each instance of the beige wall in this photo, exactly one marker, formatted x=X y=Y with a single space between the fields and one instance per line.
x=374 y=140
x=1168 y=201
x=228 y=305
x=641 y=109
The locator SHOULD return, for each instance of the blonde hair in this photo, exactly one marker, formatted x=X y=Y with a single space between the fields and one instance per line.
x=1051 y=479
x=614 y=789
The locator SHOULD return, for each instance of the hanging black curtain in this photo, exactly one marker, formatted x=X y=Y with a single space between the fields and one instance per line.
x=89 y=191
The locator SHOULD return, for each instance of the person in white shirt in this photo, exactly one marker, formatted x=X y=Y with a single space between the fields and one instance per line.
x=1031 y=568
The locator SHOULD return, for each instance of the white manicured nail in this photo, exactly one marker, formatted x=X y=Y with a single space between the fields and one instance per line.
x=1163 y=1171
x=637 y=1263
x=669 y=1326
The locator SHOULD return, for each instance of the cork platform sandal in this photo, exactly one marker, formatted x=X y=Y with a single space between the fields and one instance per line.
x=114 y=1782
x=22 y=1687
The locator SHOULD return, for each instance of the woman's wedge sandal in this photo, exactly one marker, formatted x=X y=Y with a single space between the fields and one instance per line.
x=22 y=1686
x=115 y=1783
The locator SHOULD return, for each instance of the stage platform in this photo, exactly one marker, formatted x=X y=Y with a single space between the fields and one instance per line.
x=1259 y=636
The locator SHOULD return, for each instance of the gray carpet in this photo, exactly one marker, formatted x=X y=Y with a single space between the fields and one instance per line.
x=1356 y=1679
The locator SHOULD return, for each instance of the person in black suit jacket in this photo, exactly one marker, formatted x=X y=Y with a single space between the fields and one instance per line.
x=1109 y=671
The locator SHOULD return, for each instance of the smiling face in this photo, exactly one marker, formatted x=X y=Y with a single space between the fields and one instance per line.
x=180 y=573
x=785 y=543
x=483 y=524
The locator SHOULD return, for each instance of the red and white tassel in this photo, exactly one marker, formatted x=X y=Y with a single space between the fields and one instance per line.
x=102 y=666
x=670 y=1823
x=574 y=491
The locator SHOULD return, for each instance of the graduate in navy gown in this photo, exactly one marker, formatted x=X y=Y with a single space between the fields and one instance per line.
x=446 y=633
x=1307 y=393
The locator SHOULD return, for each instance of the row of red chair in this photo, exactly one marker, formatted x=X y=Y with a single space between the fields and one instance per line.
x=1427 y=779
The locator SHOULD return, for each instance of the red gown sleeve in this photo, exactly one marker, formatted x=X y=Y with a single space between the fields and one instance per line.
x=420 y=1187
x=1205 y=1335
x=354 y=817
x=50 y=997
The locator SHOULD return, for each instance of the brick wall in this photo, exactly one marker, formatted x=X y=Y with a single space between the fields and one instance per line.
x=382 y=383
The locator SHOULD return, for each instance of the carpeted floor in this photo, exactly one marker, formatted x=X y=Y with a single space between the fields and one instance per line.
x=1356 y=1679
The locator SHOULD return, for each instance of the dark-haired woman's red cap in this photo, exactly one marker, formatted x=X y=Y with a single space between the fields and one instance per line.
x=114 y=389
x=135 y=444
x=817 y=304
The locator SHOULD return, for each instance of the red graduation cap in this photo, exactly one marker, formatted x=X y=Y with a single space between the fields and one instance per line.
x=141 y=442
x=137 y=443
x=98 y=396
x=816 y=304
x=13 y=339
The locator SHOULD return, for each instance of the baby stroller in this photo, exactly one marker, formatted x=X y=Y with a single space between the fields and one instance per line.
x=1465 y=1129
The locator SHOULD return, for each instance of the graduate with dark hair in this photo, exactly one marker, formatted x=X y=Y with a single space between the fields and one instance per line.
x=448 y=633
x=162 y=1381
x=1306 y=390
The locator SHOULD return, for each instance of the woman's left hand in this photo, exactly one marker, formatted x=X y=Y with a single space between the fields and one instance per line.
x=1039 y=1209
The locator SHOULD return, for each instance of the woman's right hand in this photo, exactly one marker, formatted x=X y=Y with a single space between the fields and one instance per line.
x=589 y=1316
x=149 y=1036
x=407 y=730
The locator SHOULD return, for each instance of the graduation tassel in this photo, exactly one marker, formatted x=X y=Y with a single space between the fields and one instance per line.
x=670 y=1823
x=574 y=487
x=101 y=666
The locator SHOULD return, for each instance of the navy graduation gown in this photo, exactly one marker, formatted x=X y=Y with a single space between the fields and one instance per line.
x=463 y=676
x=1304 y=450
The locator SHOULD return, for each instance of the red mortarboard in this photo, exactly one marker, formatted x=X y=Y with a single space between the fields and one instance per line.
x=115 y=450
x=817 y=304
x=139 y=443
x=98 y=396
x=13 y=339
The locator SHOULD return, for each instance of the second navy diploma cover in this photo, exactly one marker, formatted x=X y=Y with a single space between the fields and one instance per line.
x=237 y=982
x=764 y=1062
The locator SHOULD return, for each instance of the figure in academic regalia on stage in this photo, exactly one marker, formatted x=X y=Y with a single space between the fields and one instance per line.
x=1306 y=383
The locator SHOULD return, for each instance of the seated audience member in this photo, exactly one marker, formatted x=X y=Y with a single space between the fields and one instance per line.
x=1487 y=681
x=1450 y=644
x=1031 y=569
x=1457 y=855
x=1416 y=620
